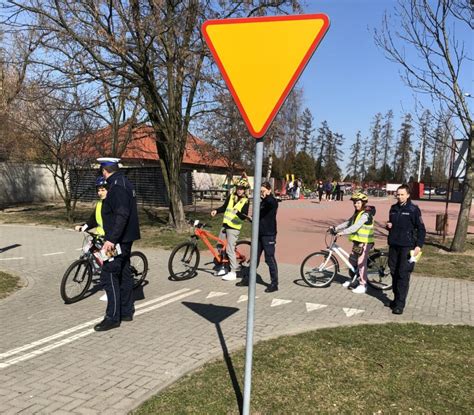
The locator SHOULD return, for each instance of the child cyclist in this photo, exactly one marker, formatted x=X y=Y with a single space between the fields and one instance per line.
x=360 y=228
x=95 y=220
x=235 y=209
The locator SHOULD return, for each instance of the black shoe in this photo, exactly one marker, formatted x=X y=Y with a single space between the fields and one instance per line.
x=390 y=304
x=127 y=318
x=242 y=284
x=397 y=310
x=106 y=324
x=271 y=288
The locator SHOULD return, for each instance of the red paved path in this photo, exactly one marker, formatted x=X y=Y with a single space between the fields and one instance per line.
x=302 y=224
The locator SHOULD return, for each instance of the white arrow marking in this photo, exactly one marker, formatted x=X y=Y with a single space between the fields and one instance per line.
x=277 y=302
x=215 y=294
x=313 y=306
x=352 y=311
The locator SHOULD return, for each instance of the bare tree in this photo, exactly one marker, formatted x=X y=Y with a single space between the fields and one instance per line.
x=155 y=44
x=431 y=29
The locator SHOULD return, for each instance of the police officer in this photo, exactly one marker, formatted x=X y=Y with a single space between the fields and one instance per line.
x=406 y=232
x=120 y=222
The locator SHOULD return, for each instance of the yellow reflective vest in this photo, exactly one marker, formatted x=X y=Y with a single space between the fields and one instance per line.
x=365 y=233
x=98 y=218
x=230 y=216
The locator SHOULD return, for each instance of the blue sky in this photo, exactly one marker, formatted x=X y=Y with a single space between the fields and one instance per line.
x=348 y=79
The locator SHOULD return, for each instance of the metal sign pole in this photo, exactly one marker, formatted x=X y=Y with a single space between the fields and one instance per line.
x=253 y=274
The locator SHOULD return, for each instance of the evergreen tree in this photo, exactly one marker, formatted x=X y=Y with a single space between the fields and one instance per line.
x=425 y=143
x=306 y=131
x=320 y=144
x=403 y=150
x=333 y=155
x=304 y=168
x=355 y=159
x=375 y=141
x=386 y=140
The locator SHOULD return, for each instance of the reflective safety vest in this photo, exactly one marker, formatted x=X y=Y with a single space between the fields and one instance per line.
x=98 y=218
x=365 y=233
x=230 y=216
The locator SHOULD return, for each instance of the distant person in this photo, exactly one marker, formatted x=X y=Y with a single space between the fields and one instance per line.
x=320 y=190
x=360 y=228
x=406 y=233
x=121 y=227
x=267 y=233
x=328 y=190
x=235 y=209
x=333 y=190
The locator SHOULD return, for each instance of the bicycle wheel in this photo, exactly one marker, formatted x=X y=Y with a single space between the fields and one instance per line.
x=378 y=272
x=318 y=270
x=183 y=261
x=76 y=281
x=139 y=267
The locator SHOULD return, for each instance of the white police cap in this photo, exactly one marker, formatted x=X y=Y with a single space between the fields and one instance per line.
x=108 y=161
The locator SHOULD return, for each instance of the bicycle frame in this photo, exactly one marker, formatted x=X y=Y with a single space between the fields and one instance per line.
x=334 y=248
x=205 y=236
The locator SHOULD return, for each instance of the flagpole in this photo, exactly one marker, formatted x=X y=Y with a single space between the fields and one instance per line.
x=253 y=275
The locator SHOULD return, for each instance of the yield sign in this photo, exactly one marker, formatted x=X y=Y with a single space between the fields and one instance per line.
x=261 y=59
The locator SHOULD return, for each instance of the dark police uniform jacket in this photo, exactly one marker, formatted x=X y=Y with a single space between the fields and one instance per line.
x=268 y=212
x=119 y=210
x=408 y=229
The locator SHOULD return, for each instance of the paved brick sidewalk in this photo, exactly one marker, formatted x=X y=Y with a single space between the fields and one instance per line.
x=51 y=361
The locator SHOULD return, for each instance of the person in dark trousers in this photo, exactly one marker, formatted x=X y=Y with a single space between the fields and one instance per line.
x=406 y=233
x=267 y=232
x=320 y=190
x=120 y=222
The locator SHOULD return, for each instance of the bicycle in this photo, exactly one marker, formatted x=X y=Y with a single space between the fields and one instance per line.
x=319 y=268
x=184 y=259
x=78 y=276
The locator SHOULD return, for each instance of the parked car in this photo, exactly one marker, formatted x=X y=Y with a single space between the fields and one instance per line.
x=440 y=191
x=429 y=191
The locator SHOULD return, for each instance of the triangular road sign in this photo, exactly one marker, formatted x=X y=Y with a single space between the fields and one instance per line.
x=261 y=58
x=313 y=306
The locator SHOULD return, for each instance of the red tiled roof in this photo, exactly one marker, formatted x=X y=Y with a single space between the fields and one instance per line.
x=142 y=147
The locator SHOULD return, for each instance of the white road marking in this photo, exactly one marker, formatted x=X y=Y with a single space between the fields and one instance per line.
x=90 y=331
x=352 y=311
x=53 y=253
x=313 y=306
x=243 y=298
x=276 y=302
x=11 y=259
x=80 y=327
x=213 y=294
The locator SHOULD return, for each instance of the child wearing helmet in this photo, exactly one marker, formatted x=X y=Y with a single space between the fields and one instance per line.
x=360 y=228
x=235 y=209
x=95 y=220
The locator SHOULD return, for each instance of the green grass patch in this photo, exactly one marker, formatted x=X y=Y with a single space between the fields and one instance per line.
x=8 y=284
x=389 y=369
x=438 y=261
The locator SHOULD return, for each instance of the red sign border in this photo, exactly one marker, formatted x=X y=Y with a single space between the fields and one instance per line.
x=294 y=78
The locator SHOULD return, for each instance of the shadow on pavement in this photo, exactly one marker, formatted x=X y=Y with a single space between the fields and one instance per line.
x=7 y=248
x=216 y=314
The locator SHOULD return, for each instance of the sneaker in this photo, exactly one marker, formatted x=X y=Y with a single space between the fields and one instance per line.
x=361 y=289
x=220 y=272
x=231 y=276
x=346 y=284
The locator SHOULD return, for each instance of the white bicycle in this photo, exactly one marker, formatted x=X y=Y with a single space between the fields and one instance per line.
x=319 y=268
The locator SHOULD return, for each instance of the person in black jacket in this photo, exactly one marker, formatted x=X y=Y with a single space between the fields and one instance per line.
x=120 y=222
x=406 y=233
x=267 y=232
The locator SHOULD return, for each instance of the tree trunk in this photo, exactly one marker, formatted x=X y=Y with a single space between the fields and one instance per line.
x=459 y=240
x=270 y=161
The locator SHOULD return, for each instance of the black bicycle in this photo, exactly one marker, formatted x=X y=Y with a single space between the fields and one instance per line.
x=78 y=277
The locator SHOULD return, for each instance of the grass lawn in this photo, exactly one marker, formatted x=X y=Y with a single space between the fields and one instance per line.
x=437 y=261
x=8 y=284
x=386 y=369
